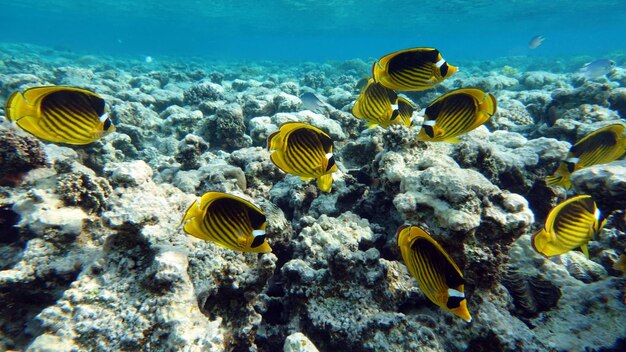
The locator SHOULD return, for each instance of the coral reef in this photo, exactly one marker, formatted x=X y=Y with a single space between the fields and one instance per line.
x=93 y=255
x=606 y=183
x=19 y=153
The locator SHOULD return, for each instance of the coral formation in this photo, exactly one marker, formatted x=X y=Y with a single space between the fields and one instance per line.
x=93 y=255
x=19 y=153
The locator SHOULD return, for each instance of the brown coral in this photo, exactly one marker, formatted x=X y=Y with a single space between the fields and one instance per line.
x=18 y=155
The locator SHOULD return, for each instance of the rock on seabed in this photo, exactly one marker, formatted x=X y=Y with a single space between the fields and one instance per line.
x=93 y=256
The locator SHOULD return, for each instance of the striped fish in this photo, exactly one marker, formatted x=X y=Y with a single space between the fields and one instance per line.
x=377 y=105
x=228 y=221
x=405 y=112
x=456 y=113
x=412 y=69
x=304 y=150
x=437 y=275
x=598 y=147
x=60 y=114
x=569 y=225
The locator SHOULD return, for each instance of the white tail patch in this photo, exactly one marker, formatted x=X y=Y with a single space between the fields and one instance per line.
x=329 y=155
x=440 y=63
x=429 y=123
x=104 y=117
x=394 y=106
x=454 y=293
x=597 y=214
x=571 y=160
x=257 y=233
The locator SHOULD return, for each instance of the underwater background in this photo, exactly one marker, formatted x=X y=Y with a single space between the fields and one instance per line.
x=315 y=30
x=96 y=250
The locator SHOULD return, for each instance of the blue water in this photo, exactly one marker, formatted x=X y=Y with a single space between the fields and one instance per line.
x=316 y=30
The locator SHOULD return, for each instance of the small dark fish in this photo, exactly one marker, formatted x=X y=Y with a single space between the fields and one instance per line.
x=598 y=147
x=536 y=41
x=311 y=102
x=362 y=83
x=597 y=68
x=228 y=221
x=60 y=114
x=412 y=69
x=304 y=150
x=569 y=225
x=436 y=273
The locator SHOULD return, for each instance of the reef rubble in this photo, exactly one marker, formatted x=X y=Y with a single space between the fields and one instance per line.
x=93 y=255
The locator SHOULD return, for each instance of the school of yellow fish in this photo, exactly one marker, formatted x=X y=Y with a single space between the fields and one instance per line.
x=76 y=116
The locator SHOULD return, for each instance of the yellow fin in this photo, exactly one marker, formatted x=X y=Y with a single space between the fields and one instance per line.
x=371 y=124
x=279 y=161
x=560 y=181
x=275 y=141
x=585 y=250
x=17 y=107
x=453 y=140
x=325 y=182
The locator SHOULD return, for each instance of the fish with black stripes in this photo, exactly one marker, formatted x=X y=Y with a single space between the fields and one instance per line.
x=304 y=150
x=405 y=112
x=598 y=147
x=381 y=106
x=571 y=224
x=412 y=69
x=455 y=113
x=436 y=273
x=60 y=114
x=229 y=221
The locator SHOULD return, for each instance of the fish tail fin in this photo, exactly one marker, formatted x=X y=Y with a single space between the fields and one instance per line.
x=189 y=224
x=325 y=182
x=17 y=107
x=194 y=210
x=275 y=141
x=24 y=115
x=585 y=250
x=563 y=181
x=278 y=160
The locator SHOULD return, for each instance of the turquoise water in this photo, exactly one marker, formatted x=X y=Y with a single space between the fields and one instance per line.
x=316 y=30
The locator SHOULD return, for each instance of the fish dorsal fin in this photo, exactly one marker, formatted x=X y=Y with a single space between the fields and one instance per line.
x=274 y=141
